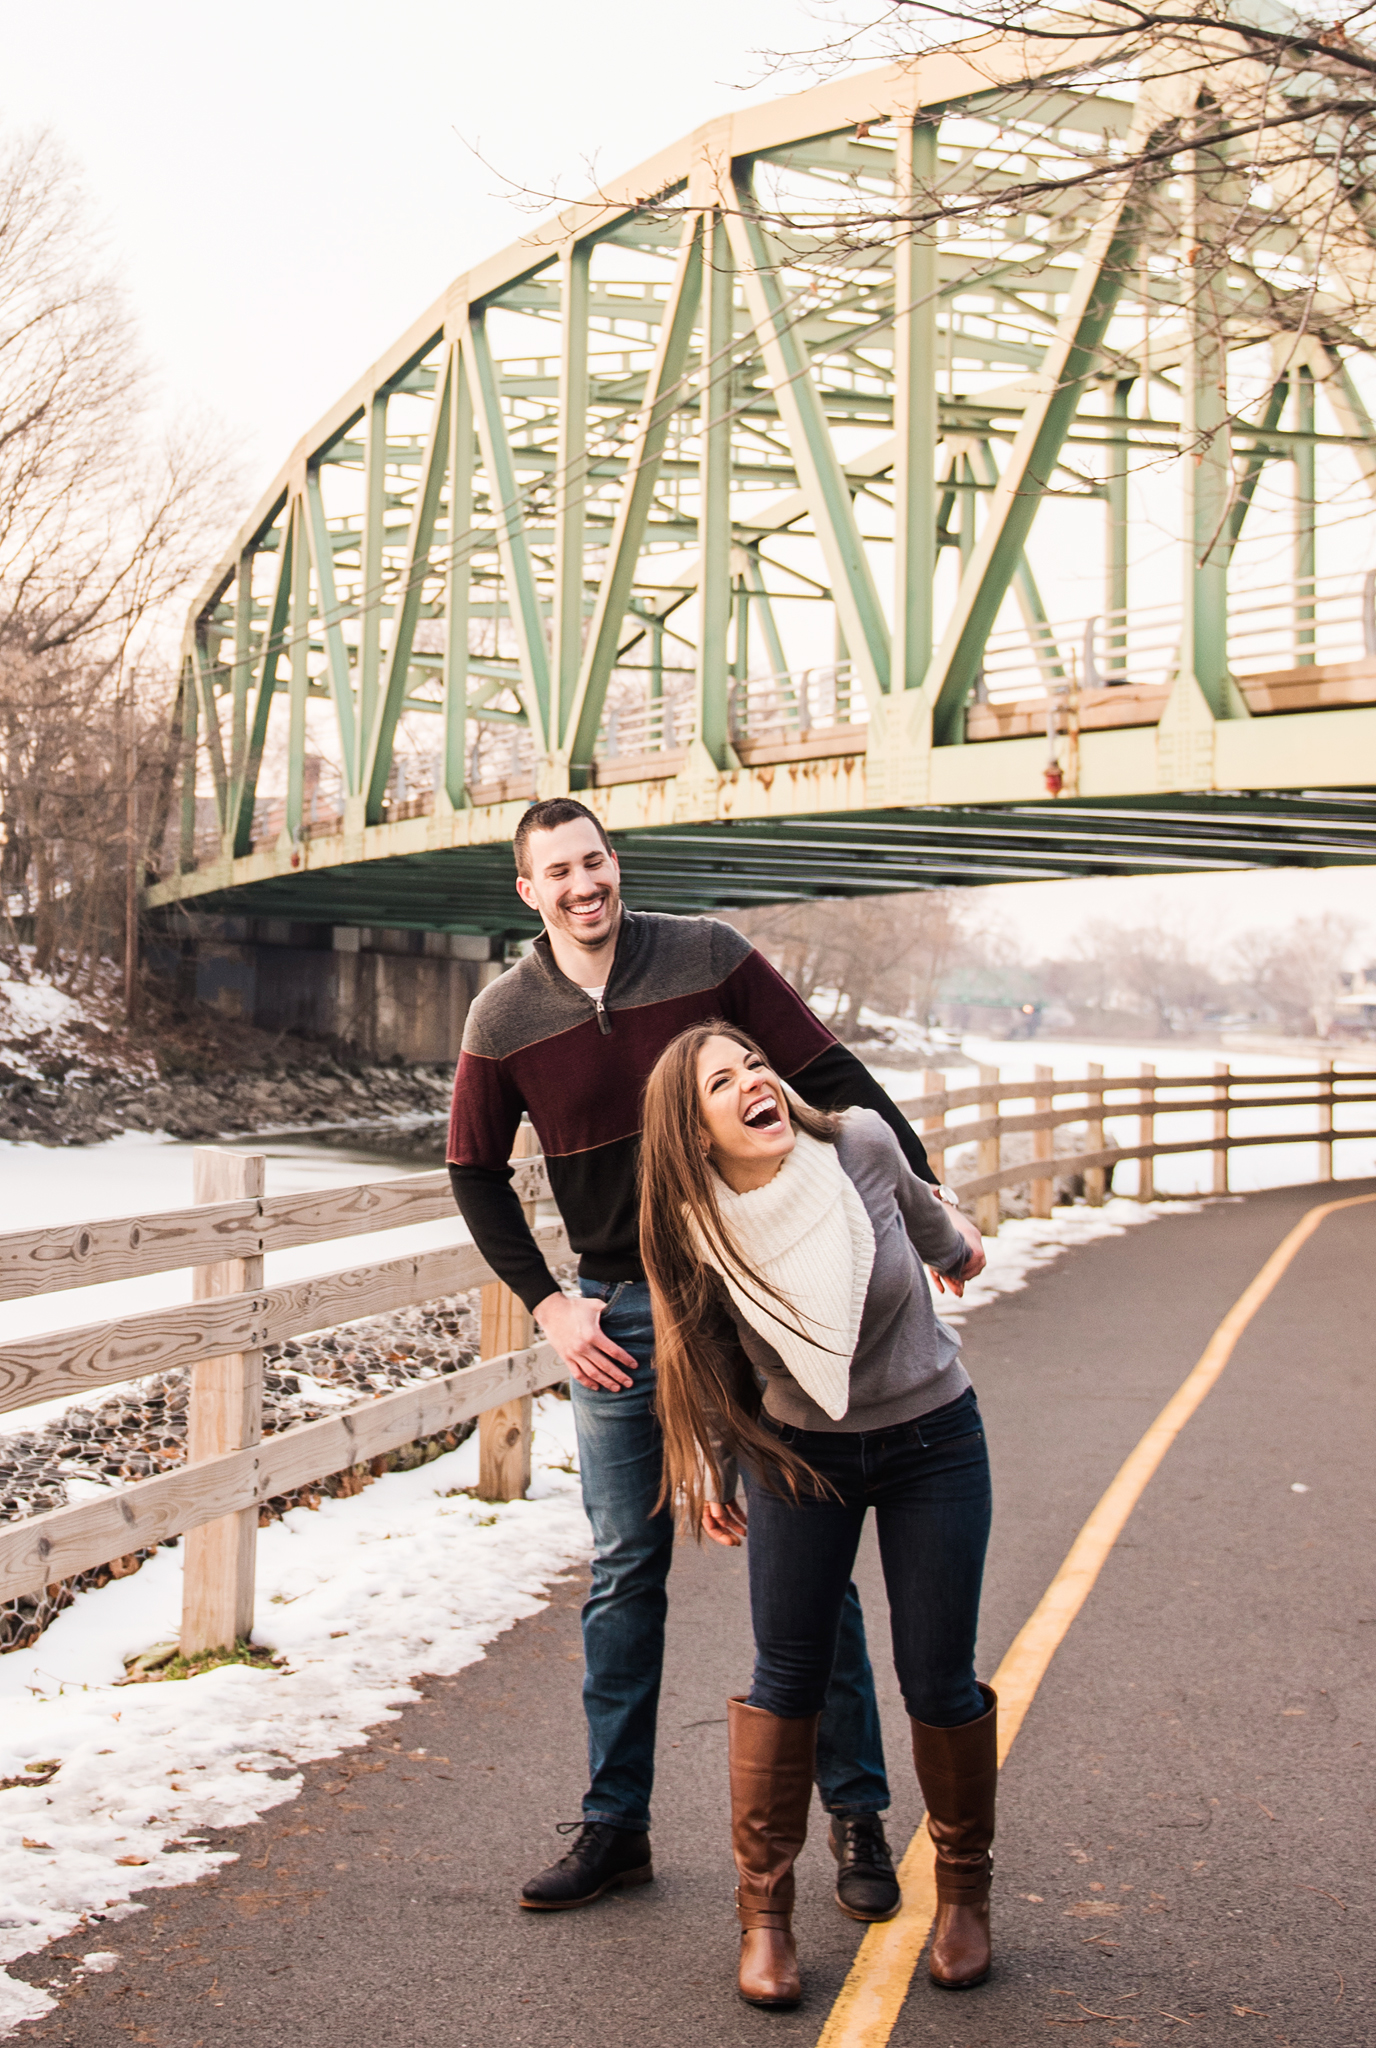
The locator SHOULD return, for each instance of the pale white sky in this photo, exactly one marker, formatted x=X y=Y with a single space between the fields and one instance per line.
x=287 y=183
x=290 y=182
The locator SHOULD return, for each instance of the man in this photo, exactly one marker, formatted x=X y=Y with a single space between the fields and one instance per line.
x=569 y=1035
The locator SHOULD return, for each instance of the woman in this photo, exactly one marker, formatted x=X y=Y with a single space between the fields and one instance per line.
x=784 y=1250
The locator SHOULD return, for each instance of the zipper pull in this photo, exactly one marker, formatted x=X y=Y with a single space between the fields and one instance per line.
x=604 y=1022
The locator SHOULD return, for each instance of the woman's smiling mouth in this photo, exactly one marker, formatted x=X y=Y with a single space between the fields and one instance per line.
x=763 y=1115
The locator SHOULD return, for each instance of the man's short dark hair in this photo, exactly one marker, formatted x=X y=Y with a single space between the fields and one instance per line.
x=547 y=816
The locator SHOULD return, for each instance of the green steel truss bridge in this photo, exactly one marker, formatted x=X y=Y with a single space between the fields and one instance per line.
x=727 y=523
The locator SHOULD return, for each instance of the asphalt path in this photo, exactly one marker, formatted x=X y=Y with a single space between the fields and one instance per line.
x=1185 y=1840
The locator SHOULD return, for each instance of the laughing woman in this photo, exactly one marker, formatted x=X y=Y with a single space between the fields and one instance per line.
x=794 y=1331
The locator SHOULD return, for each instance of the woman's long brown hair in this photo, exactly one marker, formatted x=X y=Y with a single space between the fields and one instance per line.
x=707 y=1397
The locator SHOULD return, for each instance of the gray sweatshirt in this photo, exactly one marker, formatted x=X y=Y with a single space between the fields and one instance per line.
x=906 y=1362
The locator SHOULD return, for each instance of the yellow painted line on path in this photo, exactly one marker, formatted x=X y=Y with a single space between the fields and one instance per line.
x=870 y=1999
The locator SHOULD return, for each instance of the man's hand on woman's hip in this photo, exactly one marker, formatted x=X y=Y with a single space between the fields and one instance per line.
x=573 y=1324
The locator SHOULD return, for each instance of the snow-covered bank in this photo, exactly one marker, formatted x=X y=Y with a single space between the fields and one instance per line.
x=411 y=1576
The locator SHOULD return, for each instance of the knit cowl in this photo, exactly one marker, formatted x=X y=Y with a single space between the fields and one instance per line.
x=808 y=1232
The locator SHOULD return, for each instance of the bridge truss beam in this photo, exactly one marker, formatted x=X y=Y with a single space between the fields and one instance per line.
x=715 y=517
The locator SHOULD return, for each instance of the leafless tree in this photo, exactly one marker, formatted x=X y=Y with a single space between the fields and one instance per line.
x=885 y=954
x=1297 y=971
x=102 y=521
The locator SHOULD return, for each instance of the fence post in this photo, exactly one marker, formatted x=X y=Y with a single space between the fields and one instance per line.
x=504 y=1431
x=934 y=1083
x=1326 y=1119
x=1096 y=1177
x=987 y=1206
x=1221 y=1129
x=225 y=1414
x=1042 y=1148
x=1146 y=1135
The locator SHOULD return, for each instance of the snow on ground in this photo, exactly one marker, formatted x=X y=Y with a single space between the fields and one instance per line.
x=1025 y=1244
x=412 y=1575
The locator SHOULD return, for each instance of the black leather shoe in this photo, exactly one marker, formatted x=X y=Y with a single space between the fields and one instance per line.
x=602 y=1859
x=866 y=1888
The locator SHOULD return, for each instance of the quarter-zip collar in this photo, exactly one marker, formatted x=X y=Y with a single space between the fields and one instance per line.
x=627 y=945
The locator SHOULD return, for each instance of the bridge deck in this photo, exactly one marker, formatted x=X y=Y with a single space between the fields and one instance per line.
x=1188 y=1800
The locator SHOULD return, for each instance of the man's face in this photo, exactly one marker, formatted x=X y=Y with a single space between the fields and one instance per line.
x=574 y=883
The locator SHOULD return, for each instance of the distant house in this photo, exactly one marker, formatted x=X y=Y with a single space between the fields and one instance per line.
x=1354 y=1011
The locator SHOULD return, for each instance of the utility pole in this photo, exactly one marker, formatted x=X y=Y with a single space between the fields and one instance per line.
x=131 y=858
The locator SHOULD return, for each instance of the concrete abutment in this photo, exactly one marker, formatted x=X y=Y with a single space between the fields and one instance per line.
x=383 y=992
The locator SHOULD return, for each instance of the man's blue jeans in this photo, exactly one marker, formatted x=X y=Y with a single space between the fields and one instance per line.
x=621 y=1459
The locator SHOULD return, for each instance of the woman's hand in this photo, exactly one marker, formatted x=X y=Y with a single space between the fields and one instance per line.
x=724 y=1522
x=975 y=1262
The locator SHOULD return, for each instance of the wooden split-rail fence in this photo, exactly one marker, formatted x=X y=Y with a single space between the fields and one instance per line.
x=1088 y=1100
x=213 y=1500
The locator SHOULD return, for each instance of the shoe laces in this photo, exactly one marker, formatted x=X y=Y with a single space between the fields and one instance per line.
x=592 y=1839
x=864 y=1843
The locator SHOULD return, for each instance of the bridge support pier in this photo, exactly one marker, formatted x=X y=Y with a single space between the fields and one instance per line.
x=384 y=993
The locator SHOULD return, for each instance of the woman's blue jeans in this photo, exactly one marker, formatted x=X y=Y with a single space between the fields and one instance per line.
x=620 y=1455
x=928 y=1483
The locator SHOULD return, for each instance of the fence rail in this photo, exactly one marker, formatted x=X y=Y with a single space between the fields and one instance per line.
x=213 y=1499
x=1219 y=1093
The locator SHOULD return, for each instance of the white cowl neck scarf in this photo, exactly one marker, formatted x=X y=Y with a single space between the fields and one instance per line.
x=810 y=1235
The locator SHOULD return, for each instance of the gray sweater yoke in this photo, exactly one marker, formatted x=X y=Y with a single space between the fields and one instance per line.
x=906 y=1361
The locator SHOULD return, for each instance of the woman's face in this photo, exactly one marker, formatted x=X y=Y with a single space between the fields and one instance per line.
x=744 y=1114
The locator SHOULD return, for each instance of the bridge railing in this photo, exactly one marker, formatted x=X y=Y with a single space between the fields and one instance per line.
x=762 y=711
x=1089 y=1099
x=214 y=1498
x=1313 y=621
x=794 y=705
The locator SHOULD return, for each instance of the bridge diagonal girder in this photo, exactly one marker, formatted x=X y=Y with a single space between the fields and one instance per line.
x=205 y=690
x=241 y=825
x=341 y=684
x=1069 y=362
x=820 y=473
x=506 y=502
x=378 y=763
x=662 y=397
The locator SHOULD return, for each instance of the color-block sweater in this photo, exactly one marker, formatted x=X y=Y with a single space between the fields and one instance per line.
x=536 y=1042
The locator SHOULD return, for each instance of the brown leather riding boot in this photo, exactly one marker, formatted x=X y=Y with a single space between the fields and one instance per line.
x=771 y=1791
x=958 y=1770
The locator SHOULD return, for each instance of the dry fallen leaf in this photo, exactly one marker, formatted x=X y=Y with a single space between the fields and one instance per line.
x=131 y=1859
x=1091 y=1909
x=29 y=1843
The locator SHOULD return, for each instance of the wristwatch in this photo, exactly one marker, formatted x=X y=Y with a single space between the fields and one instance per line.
x=945 y=1194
